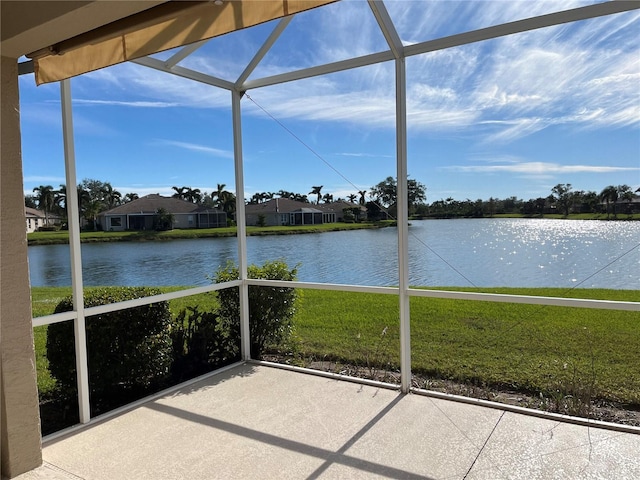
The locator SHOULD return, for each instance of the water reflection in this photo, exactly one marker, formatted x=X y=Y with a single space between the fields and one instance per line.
x=481 y=252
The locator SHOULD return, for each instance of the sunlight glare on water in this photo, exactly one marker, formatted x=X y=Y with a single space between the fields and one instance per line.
x=465 y=252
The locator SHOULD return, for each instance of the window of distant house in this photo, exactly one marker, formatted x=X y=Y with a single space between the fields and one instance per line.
x=284 y=218
x=116 y=221
x=190 y=218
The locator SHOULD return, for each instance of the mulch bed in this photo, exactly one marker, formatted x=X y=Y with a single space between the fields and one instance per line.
x=595 y=410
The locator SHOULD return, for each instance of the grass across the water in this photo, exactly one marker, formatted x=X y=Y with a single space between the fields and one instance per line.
x=536 y=349
x=62 y=236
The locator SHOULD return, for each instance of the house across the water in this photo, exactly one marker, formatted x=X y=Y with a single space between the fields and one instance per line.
x=144 y=214
x=37 y=218
x=283 y=211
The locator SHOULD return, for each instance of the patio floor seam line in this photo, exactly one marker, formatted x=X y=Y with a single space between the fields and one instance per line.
x=61 y=470
x=448 y=417
x=589 y=443
x=484 y=445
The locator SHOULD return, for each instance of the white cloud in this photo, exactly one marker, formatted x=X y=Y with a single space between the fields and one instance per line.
x=157 y=88
x=48 y=114
x=41 y=114
x=42 y=179
x=581 y=75
x=194 y=147
x=538 y=168
x=121 y=103
x=361 y=155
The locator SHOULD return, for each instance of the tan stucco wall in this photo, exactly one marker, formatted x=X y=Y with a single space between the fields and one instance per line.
x=20 y=427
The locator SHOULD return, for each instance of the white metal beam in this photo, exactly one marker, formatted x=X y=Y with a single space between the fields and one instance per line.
x=183 y=53
x=363 y=61
x=241 y=223
x=529 y=300
x=558 y=18
x=73 y=215
x=542 y=21
x=388 y=29
x=413 y=292
x=266 y=46
x=184 y=72
x=403 y=224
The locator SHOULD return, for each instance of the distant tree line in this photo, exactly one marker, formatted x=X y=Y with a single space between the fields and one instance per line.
x=221 y=198
x=612 y=200
x=95 y=196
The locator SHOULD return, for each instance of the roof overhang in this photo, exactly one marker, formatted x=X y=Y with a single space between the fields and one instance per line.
x=32 y=25
x=142 y=32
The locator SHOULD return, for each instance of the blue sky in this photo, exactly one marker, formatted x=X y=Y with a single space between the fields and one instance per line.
x=508 y=117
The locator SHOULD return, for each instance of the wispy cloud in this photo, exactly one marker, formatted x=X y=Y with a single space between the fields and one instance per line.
x=363 y=155
x=194 y=147
x=538 y=168
x=48 y=113
x=582 y=75
x=42 y=179
x=158 y=89
x=122 y=103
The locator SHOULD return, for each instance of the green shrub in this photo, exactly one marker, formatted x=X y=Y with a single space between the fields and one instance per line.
x=271 y=309
x=128 y=350
x=201 y=343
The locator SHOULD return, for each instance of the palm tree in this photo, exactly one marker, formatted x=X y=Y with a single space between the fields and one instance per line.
x=316 y=191
x=362 y=194
x=91 y=211
x=60 y=197
x=130 y=197
x=626 y=194
x=218 y=193
x=45 y=197
x=180 y=192
x=193 y=195
x=84 y=198
x=610 y=195
x=112 y=198
x=227 y=202
x=30 y=201
x=352 y=197
x=327 y=198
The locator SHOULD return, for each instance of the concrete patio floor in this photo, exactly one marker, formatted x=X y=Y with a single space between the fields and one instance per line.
x=258 y=422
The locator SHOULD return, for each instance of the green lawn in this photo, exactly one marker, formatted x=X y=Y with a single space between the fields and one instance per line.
x=534 y=349
x=521 y=347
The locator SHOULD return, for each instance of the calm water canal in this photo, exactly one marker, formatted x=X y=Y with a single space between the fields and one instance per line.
x=480 y=252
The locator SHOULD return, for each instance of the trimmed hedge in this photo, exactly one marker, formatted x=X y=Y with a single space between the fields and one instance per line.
x=201 y=343
x=271 y=309
x=127 y=351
